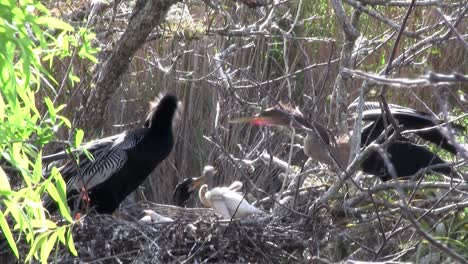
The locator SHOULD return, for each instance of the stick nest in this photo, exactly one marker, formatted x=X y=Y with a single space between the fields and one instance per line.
x=196 y=235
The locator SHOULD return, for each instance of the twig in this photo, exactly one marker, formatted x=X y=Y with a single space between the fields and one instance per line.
x=429 y=80
x=453 y=29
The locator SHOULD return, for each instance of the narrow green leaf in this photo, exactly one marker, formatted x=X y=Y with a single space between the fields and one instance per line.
x=4 y=182
x=61 y=235
x=79 y=137
x=50 y=108
x=2 y=109
x=7 y=233
x=54 y=23
x=60 y=107
x=38 y=241
x=65 y=121
x=60 y=192
x=48 y=246
x=70 y=243
x=37 y=172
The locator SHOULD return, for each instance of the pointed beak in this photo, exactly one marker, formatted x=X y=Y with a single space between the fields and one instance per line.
x=254 y=120
x=196 y=183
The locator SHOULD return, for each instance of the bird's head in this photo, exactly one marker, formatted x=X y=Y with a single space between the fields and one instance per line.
x=274 y=116
x=162 y=110
x=185 y=188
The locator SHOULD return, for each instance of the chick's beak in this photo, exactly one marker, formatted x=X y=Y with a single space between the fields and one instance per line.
x=197 y=182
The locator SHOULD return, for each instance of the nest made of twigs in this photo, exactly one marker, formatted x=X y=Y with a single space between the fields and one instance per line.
x=196 y=235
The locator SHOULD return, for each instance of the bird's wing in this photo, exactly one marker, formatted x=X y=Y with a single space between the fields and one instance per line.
x=412 y=119
x=372 y=105
x=109 y=158
x=238 y=206
x=95 y=172
x=399 y=113
x=407 y=159
x=92 y=147
x=219 y=204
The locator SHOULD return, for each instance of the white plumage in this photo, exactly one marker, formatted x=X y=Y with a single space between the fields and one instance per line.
x=227 y=201
x=153 y=217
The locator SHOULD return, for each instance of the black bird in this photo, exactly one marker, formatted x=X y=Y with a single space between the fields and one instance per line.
x=409 y=119
x=406 y=157
x=185 y=188
x=120 y=163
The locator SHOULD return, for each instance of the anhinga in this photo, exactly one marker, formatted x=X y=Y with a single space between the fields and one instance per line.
x=184 y=189
x=120 y=163
x=406 y=157
x=227 y=201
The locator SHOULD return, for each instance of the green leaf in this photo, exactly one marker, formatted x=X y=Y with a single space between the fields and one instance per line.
x=61 y=235
x=79 y=137
x=50 y=108
x=54 y=23
x=37 y=244
x=37 y=172
x=2 y=109
x=59 y=194
x=7 y=233
x=48 y=246
x=65 y=121
x=382 y=59
x=4 y=182
x=70 y=243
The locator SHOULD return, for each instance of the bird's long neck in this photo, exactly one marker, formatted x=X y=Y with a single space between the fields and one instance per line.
x=316 y=130
x=202 y=196
x=162 y=125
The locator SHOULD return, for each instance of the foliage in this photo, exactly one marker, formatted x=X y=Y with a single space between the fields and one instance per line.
x=24 y=130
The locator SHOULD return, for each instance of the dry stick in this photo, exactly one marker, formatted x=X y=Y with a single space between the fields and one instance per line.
x=400 y=218
x=338 y=98
x=381 y=18
x=429 y=238
x=392 y=120
x=292 y=74
x=404 y=185
x=254 y=244
x=383 y=94
x=146 y=16
x=354 y=165
x=428 y=80
x=192 y=254
x=407 y=3
x=433 y=39
x=452 y=28
x=430 y=229
x=405 y=209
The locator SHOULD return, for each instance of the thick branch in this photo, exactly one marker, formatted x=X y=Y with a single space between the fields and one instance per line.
x=146 y=16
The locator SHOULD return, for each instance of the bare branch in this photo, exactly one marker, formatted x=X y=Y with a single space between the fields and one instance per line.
x=429 y=80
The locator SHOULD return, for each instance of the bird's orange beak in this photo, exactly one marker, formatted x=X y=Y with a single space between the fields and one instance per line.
x=197 y=182
x=254 y=120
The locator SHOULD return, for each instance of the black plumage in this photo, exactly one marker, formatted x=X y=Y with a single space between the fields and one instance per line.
x=121 y=162
x=406 y=157
x=183 y=191
x=187 y=187
x=410 y=119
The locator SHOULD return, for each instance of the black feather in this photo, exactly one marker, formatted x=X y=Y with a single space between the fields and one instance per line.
x=121 y=162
